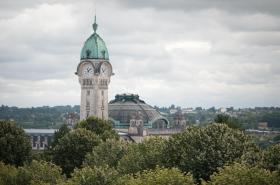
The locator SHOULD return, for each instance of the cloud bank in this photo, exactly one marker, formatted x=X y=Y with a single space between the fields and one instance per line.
x=190 y=53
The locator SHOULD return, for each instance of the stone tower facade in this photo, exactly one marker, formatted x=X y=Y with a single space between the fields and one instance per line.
x=94 y=72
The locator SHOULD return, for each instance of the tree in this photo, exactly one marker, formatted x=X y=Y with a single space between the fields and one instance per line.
x=71 y=150
x=100 y=127
x=94 y=176
x=158 y=176
x=276 y=138
x=37 y=172
x=8 y=174
x=202 y=150
x=62 y=131
x=142 y=156
x=108 y=152
x=271 y=160
x=15 y=144
x=252 y=157
x=237 y=174
x=229 y=121
x=40 y=172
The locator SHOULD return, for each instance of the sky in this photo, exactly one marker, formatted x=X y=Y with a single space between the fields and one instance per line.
x=185 y=52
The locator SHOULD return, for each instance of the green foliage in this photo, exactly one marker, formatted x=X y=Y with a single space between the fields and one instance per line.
x=100 y=127
x=158 y=176
x=276 y=138
x=202 y=150
x=102 y=175
x=40 y=172
x=273 y=119
x=108 y=152
x=37 y=172
x=237 y=174
x=37 y=117
x=229 y=121
x=8 y=174
x=70 y=151
x=141 y=156
x=271 y=159
x=15 y=144
x=252 y=157
x=63 y=130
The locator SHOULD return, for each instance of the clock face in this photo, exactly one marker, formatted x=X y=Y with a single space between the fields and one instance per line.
x=104 y=70
x=88 y=70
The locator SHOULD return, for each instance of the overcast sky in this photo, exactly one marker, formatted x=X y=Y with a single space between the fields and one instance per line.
x=184 y=52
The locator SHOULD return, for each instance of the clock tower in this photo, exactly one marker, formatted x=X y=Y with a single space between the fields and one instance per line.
x=94 y=72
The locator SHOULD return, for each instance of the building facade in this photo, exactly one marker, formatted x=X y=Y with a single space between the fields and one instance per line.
x=94 y=72
x=40 y=139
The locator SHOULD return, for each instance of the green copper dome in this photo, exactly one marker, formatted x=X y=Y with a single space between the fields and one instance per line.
x=94 y=47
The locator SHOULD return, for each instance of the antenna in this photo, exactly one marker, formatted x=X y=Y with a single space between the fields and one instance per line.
x=95 y=4
x=94 y=24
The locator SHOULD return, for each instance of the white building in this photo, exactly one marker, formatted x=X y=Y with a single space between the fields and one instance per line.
x=94 y=72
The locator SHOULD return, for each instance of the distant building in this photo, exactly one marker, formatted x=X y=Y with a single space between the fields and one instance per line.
x=173 y=111
x=71 y=119
x=179 y=120
x=223 y=110
x=263 y=126
x=187 y=110
x=40 y=138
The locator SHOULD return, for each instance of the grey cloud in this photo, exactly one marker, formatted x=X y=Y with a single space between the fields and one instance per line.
x=191 y=53
x=234 y=7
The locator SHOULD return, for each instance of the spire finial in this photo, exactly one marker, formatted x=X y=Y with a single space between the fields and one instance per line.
x=94 y=26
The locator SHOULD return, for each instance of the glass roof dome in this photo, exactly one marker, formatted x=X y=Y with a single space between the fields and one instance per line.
x=126 y=107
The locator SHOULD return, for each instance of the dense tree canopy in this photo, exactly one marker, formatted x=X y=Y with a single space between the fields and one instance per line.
x=40 y=172
x=92 y=154
x=237 y=174
x=70 y=151
x=271 y=160
x=35 y=173
x=62 y=131
x=108 y=152
x=100 y=127
x=158 y=176
x=102 y=175
x=142 y=156
x=229 y=121
x=8 y=174
x=202 y=150
x=15 y=147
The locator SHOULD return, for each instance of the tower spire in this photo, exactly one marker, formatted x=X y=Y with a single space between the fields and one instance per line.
x=95 y=25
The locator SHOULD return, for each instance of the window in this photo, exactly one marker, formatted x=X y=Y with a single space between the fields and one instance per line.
x=102 y=93
x=88 y=92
